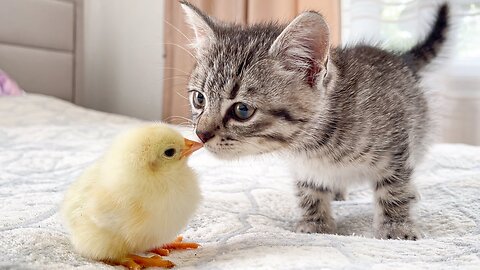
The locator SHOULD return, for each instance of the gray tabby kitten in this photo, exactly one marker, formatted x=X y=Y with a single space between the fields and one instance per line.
x=339 y=115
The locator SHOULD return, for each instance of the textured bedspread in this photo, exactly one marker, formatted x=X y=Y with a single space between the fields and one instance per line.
x=248 y=211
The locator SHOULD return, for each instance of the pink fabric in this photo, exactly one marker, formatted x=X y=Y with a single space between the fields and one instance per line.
x=8 y=87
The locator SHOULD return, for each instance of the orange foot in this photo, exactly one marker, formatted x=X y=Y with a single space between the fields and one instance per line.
x=134 y=262
x=179 y=244
x=160 y=251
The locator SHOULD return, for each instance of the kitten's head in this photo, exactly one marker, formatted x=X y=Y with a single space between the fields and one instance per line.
x=256 y=89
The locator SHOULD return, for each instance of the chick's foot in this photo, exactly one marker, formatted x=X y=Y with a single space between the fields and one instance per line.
x=134 y=262
x=179 y=244
x=160 y=251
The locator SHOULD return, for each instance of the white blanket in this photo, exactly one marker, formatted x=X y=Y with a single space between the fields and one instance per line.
x=249 y=207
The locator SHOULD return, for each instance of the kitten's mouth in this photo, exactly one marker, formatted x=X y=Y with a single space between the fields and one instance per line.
x=222 y=152
x=232 y=152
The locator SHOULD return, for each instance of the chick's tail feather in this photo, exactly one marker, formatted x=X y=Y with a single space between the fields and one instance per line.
x=424 y=52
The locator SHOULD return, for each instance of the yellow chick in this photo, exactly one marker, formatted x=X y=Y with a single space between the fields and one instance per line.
x=135 y=199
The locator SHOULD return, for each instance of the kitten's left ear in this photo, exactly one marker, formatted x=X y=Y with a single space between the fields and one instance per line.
x=202 y=25
x=303 y=46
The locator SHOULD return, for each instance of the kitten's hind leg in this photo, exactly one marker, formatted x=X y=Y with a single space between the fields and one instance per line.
x=394 y=196
x=317 y=214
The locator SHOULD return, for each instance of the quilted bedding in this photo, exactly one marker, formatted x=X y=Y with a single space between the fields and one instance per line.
x=249 y=207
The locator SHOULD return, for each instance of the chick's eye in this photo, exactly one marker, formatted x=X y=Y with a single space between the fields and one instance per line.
x=242 y=111
x=169 y=152
x=198 y=100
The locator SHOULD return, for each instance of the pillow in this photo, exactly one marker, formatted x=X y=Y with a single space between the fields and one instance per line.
x=8 y=87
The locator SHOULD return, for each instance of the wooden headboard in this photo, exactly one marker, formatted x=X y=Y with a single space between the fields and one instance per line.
x=41 y=45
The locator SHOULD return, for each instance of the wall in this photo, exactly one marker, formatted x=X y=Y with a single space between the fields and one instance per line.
x=460 y=101
x=124 y=57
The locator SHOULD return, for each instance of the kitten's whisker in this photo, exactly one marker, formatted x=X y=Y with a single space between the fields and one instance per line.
x=178 y=30
x=185 y=125
x=177 y=69
x=183 y=76
x=182 y=96
x=180 y=117
x=181 y=47
x=175 y=77
x=176 y=85
x=308 y=133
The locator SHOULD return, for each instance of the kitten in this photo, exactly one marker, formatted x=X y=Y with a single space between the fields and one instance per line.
x=339 y=115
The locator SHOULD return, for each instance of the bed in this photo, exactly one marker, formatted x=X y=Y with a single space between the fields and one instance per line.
x=41 y=46
x=248 y=211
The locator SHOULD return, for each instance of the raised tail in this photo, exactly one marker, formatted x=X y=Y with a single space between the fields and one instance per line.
x=424 y=52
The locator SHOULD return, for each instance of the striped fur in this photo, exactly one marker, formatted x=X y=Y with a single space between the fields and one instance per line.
x=339 y=115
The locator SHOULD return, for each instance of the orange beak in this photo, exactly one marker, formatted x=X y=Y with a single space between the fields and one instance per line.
x=190 y=147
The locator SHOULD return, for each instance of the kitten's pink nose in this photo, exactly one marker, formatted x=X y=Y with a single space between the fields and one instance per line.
x=204 y=136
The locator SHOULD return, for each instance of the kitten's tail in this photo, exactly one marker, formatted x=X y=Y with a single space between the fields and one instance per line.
x=424 y=52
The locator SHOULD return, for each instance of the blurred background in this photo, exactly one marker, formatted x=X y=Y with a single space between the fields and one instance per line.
x=132 y=57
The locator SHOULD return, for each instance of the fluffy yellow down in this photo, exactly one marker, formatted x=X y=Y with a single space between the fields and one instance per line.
x=133 y=199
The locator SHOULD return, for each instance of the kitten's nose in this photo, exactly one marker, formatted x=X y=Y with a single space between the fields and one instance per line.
x=204 y=136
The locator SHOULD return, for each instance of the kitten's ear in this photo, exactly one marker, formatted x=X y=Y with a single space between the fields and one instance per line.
x=303 y=46
x=201 y=24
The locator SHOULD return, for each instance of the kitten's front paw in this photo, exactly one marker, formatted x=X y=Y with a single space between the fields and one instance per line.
x=393 y=230
x=316 y=227
x=340 y=196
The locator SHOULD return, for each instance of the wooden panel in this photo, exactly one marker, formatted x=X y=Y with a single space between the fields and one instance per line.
x=45 y=24
x=330 y=9
x=266 y=10
x=39 y=71
x=178 y=63
x=225 y=10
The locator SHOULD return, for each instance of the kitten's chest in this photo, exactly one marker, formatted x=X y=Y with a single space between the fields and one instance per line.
x=322 y=172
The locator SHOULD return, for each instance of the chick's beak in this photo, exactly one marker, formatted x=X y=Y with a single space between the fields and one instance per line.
x=190 y=147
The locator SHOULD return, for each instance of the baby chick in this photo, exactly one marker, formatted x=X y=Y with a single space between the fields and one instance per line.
x=136 y=198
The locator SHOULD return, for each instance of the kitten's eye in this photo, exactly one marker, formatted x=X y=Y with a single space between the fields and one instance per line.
x=242 y=111
x=198 y=100
x=170 y=152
